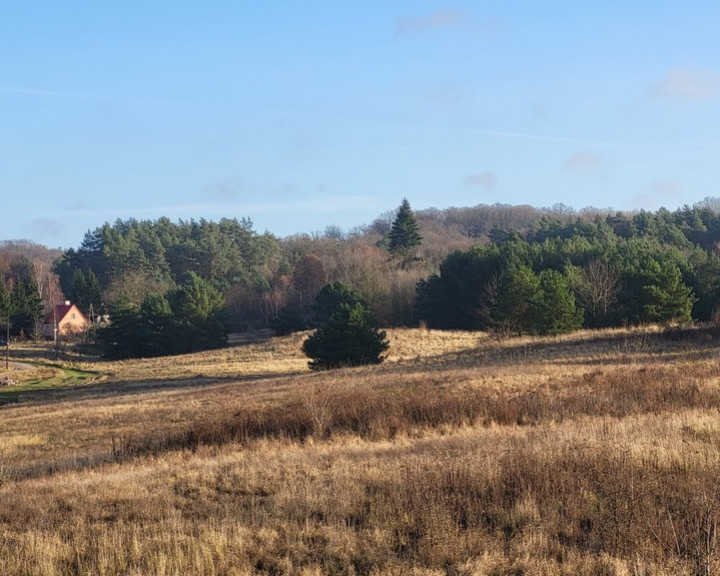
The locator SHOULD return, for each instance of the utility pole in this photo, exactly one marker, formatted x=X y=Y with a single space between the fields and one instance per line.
x=55 y=332
x=7 y=345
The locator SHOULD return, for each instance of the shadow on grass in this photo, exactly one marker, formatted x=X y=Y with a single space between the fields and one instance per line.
x=59 y=390
x=598 y=349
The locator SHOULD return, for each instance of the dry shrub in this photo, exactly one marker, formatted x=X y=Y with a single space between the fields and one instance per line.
x=325 y=409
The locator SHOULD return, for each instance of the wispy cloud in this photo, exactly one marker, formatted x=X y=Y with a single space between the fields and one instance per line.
x=666 y=189
x=47 y=227
x=438 y=19
x=223 y=191
x=687 y=84
x=286 y=191
x=484 y=180
x=583 y=162
x=450 y=99
x=657 y=194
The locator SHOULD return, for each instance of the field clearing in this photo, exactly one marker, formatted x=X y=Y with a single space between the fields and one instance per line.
x=592 y=453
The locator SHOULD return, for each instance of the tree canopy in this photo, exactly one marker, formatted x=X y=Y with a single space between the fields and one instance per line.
x=595 y=268
x=188 y=319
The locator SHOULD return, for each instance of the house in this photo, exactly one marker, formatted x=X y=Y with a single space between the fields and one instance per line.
x=68 y=319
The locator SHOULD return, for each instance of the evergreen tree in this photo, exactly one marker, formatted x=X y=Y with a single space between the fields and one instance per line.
x=665 y=297
x=198 y=309
x=556 y=312
x=404 y=236
x=349 y=338
x=156 y=334
x=330 y=298
x=120 y=339
x=26 y=307
x=287 y=322
x=461 y=296
x=517 y=301
x=4 y=304
x=5 y=311
x=86 y=291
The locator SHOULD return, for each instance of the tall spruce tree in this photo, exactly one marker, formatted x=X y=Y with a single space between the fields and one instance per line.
x=404 y=236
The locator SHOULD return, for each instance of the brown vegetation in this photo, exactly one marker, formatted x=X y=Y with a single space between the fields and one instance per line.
x=595 y=453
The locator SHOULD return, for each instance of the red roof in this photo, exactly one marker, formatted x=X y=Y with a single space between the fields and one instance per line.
x=62 y=310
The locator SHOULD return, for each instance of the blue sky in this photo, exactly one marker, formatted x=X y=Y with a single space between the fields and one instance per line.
x=300 y=115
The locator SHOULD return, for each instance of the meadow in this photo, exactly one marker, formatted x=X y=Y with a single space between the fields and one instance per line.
x=590 y=453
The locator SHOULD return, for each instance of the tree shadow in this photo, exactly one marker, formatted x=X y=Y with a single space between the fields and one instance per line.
x=595 y=349
x=124 y=388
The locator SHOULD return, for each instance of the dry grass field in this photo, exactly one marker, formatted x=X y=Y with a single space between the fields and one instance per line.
x=594 y=453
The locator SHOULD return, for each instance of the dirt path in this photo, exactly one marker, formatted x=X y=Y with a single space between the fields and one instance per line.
x=16 y=366
x=21 y=366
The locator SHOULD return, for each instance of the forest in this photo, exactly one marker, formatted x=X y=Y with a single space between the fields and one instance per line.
x=511 y=270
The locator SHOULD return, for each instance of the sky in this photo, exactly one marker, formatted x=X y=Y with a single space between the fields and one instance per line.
x=304 y=115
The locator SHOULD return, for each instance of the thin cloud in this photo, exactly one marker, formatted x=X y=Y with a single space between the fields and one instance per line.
x=582 y=163
x=224 y=191
x=484 y=180
x=450 y=99
x=666 y=189
x=687 y=84
x=658 y=193
x=286 y=191
x=438 y=19
x=47 y=227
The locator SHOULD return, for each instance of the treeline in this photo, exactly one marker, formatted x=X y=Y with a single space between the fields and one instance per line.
x=258 y=275
x=594 y=271
x=513 y=269
x=186 y=319
x=27 y=286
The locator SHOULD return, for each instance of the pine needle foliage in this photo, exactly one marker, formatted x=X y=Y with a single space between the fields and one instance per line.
x=404 y=236
x=349 y=338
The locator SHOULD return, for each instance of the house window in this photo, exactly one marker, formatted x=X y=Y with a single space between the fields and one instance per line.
x=73 y=316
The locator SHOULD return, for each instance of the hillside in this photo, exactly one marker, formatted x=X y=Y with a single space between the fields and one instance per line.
x=505 y=269
x=593 y=453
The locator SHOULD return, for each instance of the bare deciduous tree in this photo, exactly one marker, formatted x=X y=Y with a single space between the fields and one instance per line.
x=599 y=289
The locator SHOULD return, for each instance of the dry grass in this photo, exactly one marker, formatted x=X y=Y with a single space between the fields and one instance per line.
x=596 y=453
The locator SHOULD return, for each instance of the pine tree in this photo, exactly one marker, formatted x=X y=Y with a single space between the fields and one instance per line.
x=198 y=311
x=516 y=304
x=4 y=304
x=86 y=290
x=349 y=338
x=331 y=297
x=556 y=310
x=404 y=236
x=26 y=307
x=120 y=339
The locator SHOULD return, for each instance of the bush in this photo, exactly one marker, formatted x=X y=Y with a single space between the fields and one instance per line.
x=287 y=322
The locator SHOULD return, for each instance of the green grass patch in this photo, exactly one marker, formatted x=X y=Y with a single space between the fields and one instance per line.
x=53 y=378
